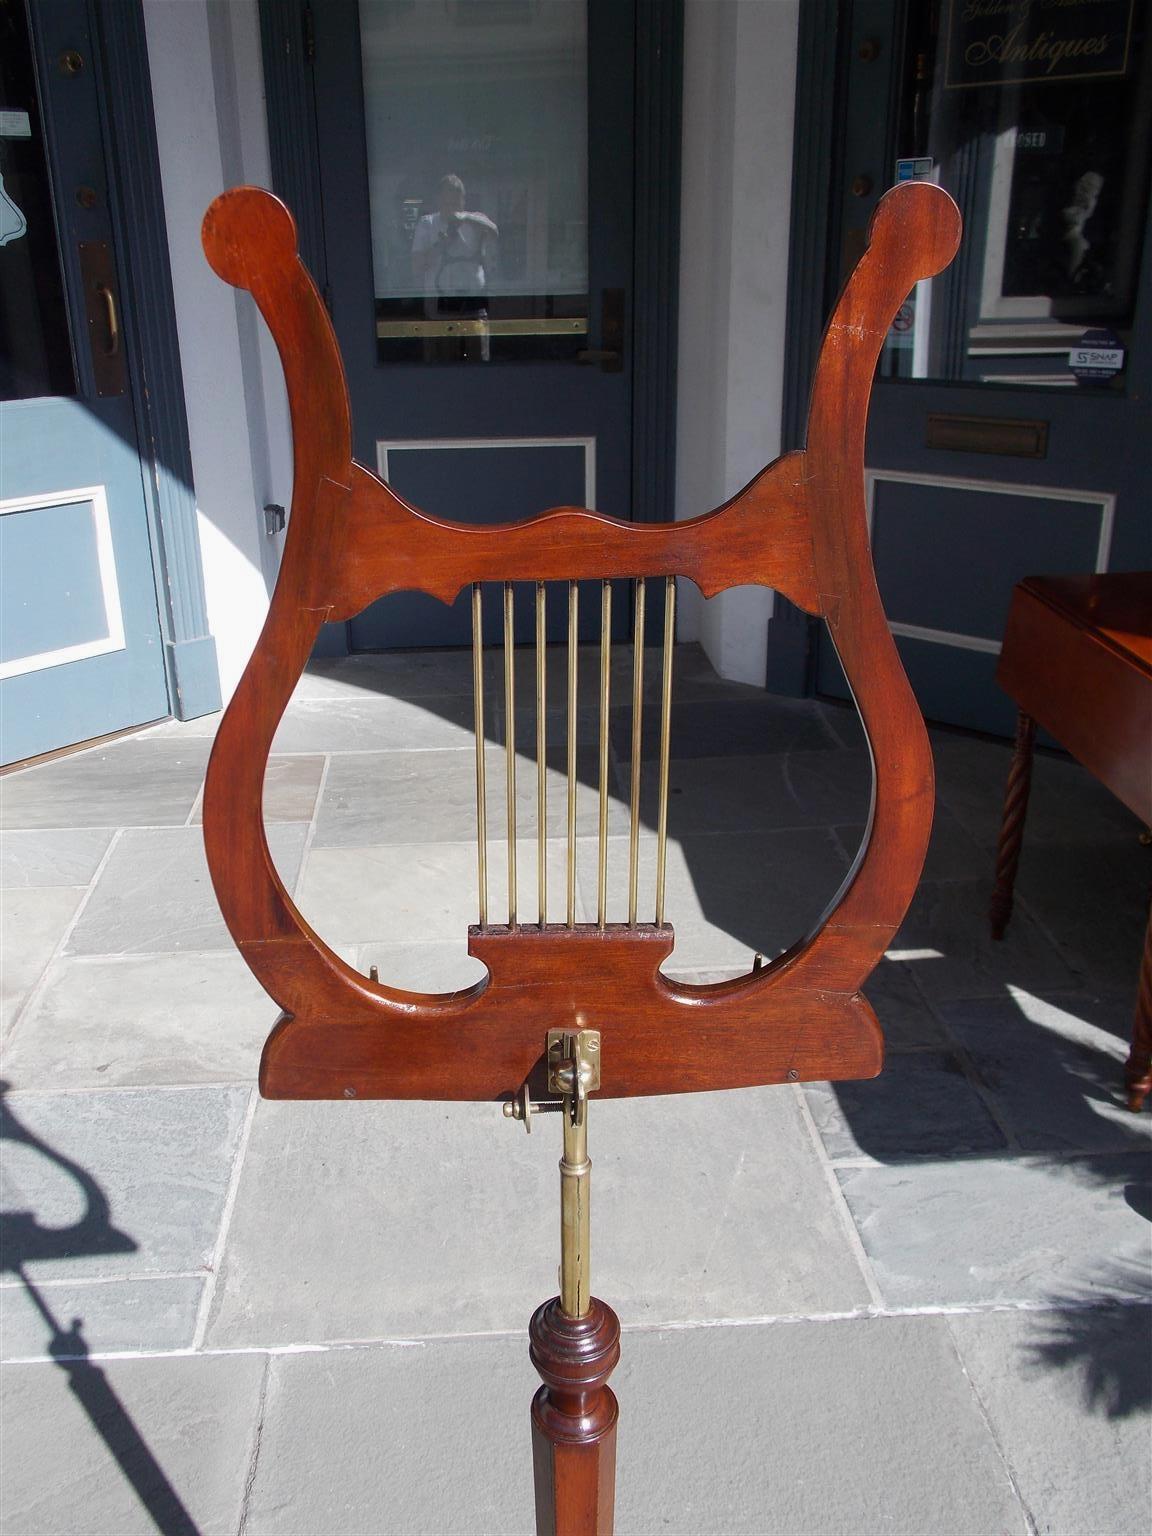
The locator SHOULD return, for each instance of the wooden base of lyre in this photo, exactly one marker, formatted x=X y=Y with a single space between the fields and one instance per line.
x=574 y=1419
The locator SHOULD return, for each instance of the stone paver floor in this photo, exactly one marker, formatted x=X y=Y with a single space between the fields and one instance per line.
x=914 y=1305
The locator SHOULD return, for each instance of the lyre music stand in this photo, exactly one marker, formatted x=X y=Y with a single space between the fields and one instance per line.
x=570 y=1009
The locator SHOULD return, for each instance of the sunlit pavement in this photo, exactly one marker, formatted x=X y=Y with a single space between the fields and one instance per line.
x=913 y=1305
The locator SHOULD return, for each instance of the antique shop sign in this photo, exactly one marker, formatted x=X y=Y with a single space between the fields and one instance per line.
x=1009 y=42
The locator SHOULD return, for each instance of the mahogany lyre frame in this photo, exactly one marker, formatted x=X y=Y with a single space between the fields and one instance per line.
x=799 y=527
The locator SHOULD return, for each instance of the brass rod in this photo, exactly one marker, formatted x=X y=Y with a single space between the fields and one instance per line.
x=637 y=720
x=478 y=728
x=665 y=743
x=605 y=682
x=510 y=745
x=541 y=760
x=573 y=653
x=575 y=1211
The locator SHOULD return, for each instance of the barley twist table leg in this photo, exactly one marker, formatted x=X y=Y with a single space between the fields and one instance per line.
x=1012 y=826
x=1138 y=1072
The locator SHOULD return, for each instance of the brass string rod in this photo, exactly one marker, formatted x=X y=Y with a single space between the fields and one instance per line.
x=665 y=743
x=478 y=729
x=541 y=761
x=510 y=745
x=637 y=719
x=605 y=689
x=573 y=653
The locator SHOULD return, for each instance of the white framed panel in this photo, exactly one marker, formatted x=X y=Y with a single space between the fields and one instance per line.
x=113 y=638
x=1105 y=500
x=588 y=444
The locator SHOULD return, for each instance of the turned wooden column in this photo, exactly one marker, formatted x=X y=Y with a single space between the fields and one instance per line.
x=574 y=1419
x=1012 y=826
x=1138 y=1072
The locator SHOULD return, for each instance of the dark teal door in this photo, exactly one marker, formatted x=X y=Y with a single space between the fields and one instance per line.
x=478 y=239
x=996 y=448
x=80 y=645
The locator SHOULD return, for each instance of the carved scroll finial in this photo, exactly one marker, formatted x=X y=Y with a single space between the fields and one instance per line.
x=245 y=230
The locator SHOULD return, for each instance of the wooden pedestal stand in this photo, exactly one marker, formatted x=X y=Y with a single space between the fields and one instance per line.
x=800 y=527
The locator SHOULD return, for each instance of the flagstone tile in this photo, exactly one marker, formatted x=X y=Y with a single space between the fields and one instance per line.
x=109 y=1021
x=99 y=1318
x=126 y=1182
x=337 y=1196
x=151 y=1445
x=155 y=895
x=997 y=1231
x=728 y=894
x=392 y=675
x=1085 y=1376
x=765 y=1409
x=946 y=940
x=419 y=891
x=374 y=798
x=375 y=723
x=291 y=785
x=709 y=727
x=1056 y=1078
x=32 y=923
x=142 y=781
x=921 y=1105
x=51 y=858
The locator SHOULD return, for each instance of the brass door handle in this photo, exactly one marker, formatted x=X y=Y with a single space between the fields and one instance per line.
x=108 y=299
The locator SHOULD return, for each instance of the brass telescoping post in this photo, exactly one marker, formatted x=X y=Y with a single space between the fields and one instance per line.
x=574 y=1072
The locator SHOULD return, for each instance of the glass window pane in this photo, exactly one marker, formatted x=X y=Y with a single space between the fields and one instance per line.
x=1038 y=120
x=35 y=345
x=476 y=119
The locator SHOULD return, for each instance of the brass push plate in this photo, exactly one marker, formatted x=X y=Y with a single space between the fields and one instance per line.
x=101 y=309
x=988 y=434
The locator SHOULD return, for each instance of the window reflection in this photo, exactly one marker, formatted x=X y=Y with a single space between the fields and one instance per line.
x=476 y=122
x=1038 y=120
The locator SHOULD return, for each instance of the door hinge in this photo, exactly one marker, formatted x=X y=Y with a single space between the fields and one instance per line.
x=308 y=33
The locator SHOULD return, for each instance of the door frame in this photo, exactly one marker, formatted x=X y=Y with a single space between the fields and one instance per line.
x=288 y=49
x=792 y=633
x=149 y=326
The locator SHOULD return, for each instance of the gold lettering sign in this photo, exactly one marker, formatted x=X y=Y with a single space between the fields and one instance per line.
x=1012 y=42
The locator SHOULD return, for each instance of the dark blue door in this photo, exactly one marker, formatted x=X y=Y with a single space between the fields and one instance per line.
x=80 y=647
x=1009 y=426
x=477 y=164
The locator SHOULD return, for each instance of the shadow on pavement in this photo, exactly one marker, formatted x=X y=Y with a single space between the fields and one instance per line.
x=24 y=1241
x=1109 y=1347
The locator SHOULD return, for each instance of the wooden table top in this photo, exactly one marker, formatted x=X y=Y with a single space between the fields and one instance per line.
x=1077 y=657
x=1117 y=607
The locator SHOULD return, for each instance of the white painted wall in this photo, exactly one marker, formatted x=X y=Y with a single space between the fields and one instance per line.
x=207 y=88
x=739 y=98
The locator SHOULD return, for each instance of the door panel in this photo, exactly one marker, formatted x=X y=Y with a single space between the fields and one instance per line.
x=80 y=646
x=1051 y=174
x=430 y=475
x=518 y=337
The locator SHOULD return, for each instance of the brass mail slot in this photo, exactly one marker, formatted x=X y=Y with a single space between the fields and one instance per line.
x=389 y=329
x=988 y=434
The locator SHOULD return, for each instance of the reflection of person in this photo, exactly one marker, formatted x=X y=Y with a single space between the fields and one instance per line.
x=1085 y=196
x=453 y=249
